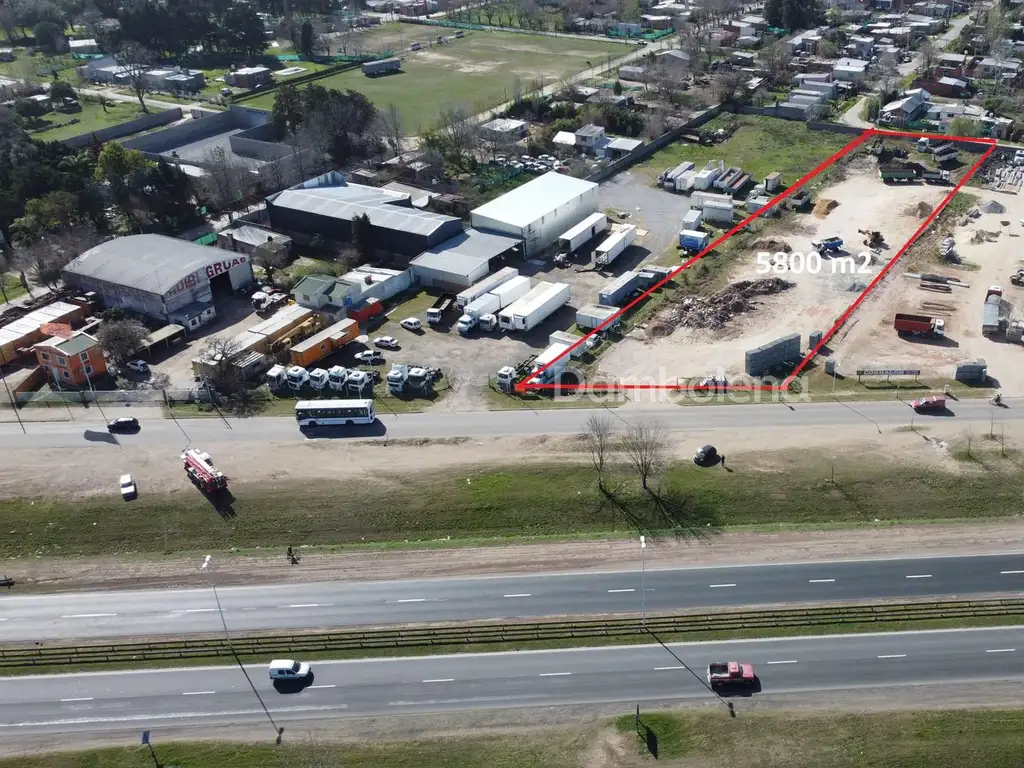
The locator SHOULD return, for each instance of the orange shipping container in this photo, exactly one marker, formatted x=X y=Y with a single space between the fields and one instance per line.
x=320 y=345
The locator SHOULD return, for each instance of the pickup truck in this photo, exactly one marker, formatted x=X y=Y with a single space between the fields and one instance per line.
x=722 y=674
x=930 y=403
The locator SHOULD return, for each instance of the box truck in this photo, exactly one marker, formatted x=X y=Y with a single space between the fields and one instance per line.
x=614 y=246
x=694 y=240
x=558 y=355
x=592 y=315
x=482 y=310
x=486 y=285
x=535 y=307
x=487 y=304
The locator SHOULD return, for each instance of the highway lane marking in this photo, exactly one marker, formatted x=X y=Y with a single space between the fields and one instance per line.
x=920 y=576
x=166 y=716
x=89 y=615
x=621 y=590
x=196 y=610
x=83 y=698
x=332 y=685
x=554 y=674
x=1002 y=650
x=787 y=661
x=716 y=586
x=413 y=600
x=198 y=693
x=311 y=605
x=522 y=594
x=821 y=581
x=666 y=669
x=894 y=656
x=1009 y=573
x=441 y=680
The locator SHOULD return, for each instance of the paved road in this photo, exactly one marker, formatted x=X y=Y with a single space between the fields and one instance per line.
x=83 y=433
x=630 y=675
x=339 y=604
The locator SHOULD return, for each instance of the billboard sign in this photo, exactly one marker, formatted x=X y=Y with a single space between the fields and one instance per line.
x=207 y=273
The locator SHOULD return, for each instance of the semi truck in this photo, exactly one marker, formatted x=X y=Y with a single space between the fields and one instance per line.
x=441 y=309
x=487 y=304
x=896 y=173
x=535 y=307
x=919 y=325
x=486 y=285
x=200 y=470
x=482 y=311
x=615 y=292
x=558 y=355
x=590 y=227
x=614 y=246
x=694 y=240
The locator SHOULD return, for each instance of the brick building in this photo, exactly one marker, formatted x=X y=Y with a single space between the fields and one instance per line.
x=71 y=361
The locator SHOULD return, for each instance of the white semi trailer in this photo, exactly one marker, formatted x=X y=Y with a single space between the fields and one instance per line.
x=535 y=307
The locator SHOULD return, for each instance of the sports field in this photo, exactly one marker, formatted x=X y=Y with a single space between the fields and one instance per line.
x=478 y=71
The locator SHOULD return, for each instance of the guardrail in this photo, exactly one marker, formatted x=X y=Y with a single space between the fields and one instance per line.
x=470 y=635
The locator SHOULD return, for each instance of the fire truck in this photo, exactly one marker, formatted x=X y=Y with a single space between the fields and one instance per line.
x=199 y=467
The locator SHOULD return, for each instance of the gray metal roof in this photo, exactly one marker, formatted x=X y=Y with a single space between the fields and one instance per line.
x=152 y=263
x=463 y=254
x=342 y=203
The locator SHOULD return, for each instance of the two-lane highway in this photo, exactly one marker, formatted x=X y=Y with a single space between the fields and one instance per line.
x=343 y=604
x=517 y=423
x=635 y=674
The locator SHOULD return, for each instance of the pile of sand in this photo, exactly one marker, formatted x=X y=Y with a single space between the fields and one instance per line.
x=824 y=207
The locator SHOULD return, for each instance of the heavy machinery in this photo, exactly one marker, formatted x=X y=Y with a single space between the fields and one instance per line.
x=872 y=238
x=828 y=244
x=1018 y=278
x=919 y=325
x=200 y=470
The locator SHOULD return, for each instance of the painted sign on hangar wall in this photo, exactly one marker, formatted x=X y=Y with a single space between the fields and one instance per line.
x=207 y=273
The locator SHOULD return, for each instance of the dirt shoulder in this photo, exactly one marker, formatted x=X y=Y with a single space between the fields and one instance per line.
x=550 y=556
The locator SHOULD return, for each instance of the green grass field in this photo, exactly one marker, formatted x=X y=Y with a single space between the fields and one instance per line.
x=941 y=739
x=477 y=72
x=91 y=118
x=523 y=501
x=760 y=146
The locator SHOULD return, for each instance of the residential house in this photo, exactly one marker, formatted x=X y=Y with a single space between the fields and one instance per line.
x=589 y=137
x=741 y=59
x=83 y=46
x=175 y=79
x=633 y=74
x=991 y=67
x=505 y=128
x=654 y=21
x=620 y=146
x=850 y=70
x=861 y=47
x=8 y=88
x=757 y=22
x=673 y=61
x=248 y=77
x=953 y=65
x=805 y=42
x=907 y=108
x=6 y=54
x=740 y=29
x=949 y=87
x=608 y=96
x=928 y=24
x=71 y=362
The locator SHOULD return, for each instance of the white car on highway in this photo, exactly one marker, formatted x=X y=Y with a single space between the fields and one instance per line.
x=289 y=669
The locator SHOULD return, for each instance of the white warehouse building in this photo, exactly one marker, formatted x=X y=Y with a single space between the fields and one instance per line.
x=539 y=211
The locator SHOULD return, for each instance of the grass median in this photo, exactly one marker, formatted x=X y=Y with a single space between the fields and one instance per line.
x=504 y=504
x=991 y=738
x=41 y=658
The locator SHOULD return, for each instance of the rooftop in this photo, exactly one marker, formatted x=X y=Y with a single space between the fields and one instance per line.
x=351 y=200
x=77 y=344
x=464 y=253
x=530 y=202
x=34 y=320
x=149 y=263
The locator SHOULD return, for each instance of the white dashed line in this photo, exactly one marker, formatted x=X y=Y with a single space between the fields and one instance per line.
x=413 y=600
x=621 y=590
x=332 y=685
x=523 y=594
x=306 y=605
x=787 y=661
x=666 y=669
x=89 y=615
x=821 y=581
x=1002 y=650
x=554 y=674
x=198 y=693
x=1009 y=573
x=920 y=576
x=717 y=586
x=894 y=656
x=197 y=610
x=441 y=680
x=84 y=698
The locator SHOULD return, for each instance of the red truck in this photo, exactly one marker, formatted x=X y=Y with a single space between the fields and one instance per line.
x=930 y=403
x=200 y=470
x=919 y=325
x=722 y=674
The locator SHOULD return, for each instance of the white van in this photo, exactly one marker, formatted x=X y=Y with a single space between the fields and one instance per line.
x=287 y=669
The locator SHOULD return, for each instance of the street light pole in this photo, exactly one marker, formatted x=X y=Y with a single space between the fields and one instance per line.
x=643 y=579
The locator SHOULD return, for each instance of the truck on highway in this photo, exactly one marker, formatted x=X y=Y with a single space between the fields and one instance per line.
x=919 y=325
x=441 y=309
x=535 y=307
x=614 y=246
x=589 y=228
x=200 y=470
x=896 y=173
x=724 y=674
x=486 y=285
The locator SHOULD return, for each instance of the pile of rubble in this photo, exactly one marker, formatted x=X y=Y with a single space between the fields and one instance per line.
x=921 y=210
x=713 y=312
x=772 y=245
x=968 y=217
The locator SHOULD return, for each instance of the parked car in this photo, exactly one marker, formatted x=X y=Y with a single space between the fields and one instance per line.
x=411 y=324
x=139 y=366
x=123 y=424
x=128 y=489
x=387 y=342
x=370 y=357
x=289 y=669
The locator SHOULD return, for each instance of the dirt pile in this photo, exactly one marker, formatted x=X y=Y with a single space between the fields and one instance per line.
x=772 y=245
x=824 y=207
x=921 y=210
x=714 y=312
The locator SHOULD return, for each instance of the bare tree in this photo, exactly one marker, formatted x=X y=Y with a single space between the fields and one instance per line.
x=730 y=87
x=458 y=130
x=646 y=446
x=220 y=355
x=928 y=53
x=120 y=339
x=44 y=258
x=270 y=257
x=598 y=439
x=776 y=59
x=391 y=128
x=228 y=181
x=887 y=74
x=968 y=435
x=135 y=62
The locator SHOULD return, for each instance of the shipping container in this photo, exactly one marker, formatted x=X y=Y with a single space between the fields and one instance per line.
x=512 y=291
x=692 y=219
x=614 y=246
x=592 y=315
x=485 y=286
x=623 y=286
x=535 y=307
x=583 y=232
x=694 y=240
x=320 y=345
x=364 y=312
x=564 y=337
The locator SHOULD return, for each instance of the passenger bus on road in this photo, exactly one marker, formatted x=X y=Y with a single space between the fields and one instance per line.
x=330 y=413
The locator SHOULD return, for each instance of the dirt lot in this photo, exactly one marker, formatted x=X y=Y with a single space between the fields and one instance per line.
x=870 y=341
x=814 y=300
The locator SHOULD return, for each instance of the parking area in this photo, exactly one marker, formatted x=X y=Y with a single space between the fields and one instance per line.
x=653 y=210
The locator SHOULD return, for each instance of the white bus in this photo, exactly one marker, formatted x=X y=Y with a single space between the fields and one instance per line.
x=329 y=413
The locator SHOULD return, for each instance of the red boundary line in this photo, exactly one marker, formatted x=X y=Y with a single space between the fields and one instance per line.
x=524 y=386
